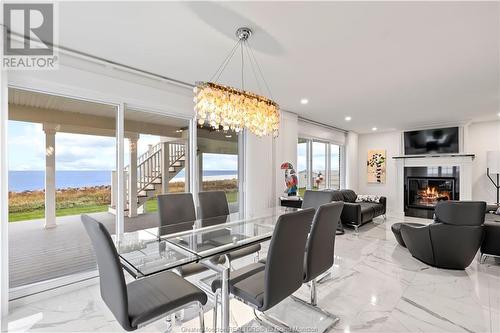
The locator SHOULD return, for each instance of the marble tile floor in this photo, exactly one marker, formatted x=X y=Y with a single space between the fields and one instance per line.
x=376 y=286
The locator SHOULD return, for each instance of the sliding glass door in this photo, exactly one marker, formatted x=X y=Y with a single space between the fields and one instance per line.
x=335 y=178
x=319 y=165
x=62 y=152
x=218 y=156
x=319 y=174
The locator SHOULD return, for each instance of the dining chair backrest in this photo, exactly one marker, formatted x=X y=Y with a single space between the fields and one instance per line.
x=284 y=270
x=213 y=204
x=112 y=281
x=176 y=209
x=314 y=199
x=321 y=241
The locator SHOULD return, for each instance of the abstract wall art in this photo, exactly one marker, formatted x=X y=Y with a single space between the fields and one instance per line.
x=376 y=166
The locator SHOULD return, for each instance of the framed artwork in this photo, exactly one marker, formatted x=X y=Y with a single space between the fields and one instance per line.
x=376 y=166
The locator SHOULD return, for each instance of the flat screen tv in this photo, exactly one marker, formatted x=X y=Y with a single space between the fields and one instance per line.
x=432 y=141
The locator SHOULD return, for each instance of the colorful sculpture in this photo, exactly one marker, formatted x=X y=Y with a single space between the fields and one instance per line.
x=291 y=180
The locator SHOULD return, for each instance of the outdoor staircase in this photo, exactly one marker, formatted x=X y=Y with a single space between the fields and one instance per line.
x=150 y=175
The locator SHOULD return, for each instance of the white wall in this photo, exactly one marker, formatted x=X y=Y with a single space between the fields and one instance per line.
x=285 y=150
x=391 y=142
x=352 y=161
x=259 y=173
x=482 y=137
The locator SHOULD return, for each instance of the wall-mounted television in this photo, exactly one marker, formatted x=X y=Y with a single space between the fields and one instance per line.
x=432 y=141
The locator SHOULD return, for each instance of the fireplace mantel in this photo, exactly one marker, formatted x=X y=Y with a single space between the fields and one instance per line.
x=464 y=161
x=472 y=156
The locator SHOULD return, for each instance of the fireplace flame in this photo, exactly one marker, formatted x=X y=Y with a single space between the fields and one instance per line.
x=431 y=195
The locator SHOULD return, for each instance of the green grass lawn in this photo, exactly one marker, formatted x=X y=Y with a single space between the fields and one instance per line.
x=151 y=206
x=40 y=213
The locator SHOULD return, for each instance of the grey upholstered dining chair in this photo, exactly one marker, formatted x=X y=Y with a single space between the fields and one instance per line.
x=175 y=211
x=320 y=247
x=262 y=286
x=314 y=199
x=144 y=300
x=213 y=204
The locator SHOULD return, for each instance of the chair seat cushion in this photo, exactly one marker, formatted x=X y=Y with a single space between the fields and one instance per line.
x=251 y=289
x=396 y=230
x=243 y=252
x=153 y=296
x=240 y=274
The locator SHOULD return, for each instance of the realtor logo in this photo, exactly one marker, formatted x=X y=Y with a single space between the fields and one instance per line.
x=28 y=36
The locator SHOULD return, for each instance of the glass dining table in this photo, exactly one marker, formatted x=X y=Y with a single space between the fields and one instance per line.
x=154 y=250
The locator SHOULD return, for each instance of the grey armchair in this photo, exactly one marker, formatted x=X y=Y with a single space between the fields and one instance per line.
x=141 y=301
x=452 y=240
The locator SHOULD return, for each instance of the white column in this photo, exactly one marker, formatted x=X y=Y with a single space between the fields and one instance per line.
x=50 y=176
x=132 y=177
x=120 y=188
x=165 y=166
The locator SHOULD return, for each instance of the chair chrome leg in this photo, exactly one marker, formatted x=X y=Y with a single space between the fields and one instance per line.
x=216 y=297
x=202 y=319
x=482 y=258
x=257 y=256
x=325 y=277
x=356 y=229
x=272 y=322
x=314 y=293
x=334 y=318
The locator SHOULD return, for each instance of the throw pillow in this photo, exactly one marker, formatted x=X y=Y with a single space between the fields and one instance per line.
x=368 y=198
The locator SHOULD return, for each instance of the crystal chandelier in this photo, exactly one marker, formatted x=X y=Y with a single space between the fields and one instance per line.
x=232 y=109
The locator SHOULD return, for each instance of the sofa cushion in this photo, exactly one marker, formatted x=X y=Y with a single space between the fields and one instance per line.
x=367 y=211
x=349 y=195
x=336 y=195
x=378 y=209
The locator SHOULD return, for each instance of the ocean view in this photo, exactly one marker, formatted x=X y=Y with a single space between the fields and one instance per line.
x=34 y=180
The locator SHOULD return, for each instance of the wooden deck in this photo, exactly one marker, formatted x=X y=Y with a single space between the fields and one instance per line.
x=37 y=254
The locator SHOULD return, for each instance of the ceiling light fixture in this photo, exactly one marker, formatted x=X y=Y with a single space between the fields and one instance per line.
x=374 y=128
x=304 y=101
x=498 y=114
x=234 y=109
x=348 y=118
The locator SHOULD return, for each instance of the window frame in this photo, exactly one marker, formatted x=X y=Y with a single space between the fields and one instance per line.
x=328 y=172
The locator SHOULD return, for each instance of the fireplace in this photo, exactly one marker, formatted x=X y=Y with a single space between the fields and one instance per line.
x=425 y=187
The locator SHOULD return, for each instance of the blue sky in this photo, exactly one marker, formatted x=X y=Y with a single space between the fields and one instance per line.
x=82 y=152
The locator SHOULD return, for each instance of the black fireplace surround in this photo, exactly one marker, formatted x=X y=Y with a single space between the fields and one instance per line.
x=425 y=187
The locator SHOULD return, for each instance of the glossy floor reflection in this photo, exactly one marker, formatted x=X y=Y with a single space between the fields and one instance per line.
x=376 y=286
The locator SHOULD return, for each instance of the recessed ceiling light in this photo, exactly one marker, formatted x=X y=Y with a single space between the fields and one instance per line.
x=304 y=101
x=229 y=136
x=347 y=118
x=178 y=131
x=498 y=114
x=374 y=128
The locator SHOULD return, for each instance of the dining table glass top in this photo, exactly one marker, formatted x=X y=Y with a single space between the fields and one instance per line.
x=152 y=250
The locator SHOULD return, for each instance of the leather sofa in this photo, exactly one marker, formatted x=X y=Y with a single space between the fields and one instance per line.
x=356 y=214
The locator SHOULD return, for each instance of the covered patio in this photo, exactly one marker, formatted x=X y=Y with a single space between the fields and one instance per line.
x=37 y=255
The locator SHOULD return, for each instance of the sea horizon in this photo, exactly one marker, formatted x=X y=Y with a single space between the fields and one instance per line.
x=34 y=180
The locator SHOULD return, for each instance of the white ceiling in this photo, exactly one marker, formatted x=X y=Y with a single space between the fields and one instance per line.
x=393 y=65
